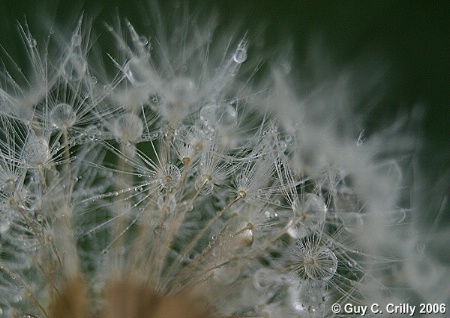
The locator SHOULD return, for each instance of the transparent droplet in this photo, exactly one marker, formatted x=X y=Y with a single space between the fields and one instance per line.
x=294 y=230
x=204 y=184
x=75 y=67
x=227 y=116
x=223 y=115
x=128 y=127
x=179 y=97
x=9 y=186
x=420 y=247
x=321 y=264
x=397 y=216
x=263 y=279
x=4 y=227
x=155 y=100
x=93 y=80
x=352 y=221
x=271 y=215
x=108 y=88
x=143 y=41
x=240 y=55
x=361 y=138
x=36 y=151
x=308 y=216
x=62 y=116
x=346 y=200
x=129 y=149
x=182 y=89
x=17 y=298
x=32 y=42
x=76 y=40
x=226 y=274
x=138 y=72
x=246 y=235
x=288 y=139
x=208 y=114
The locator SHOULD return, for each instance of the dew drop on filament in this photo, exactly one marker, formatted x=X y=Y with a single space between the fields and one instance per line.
x=63 y=115
x=76 y=40
x=137 y=71
x=75 y=67
x=223 y=115
x=240 y=55
x=128 y=127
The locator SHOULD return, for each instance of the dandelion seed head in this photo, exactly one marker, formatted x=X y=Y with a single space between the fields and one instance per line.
x=173 y=176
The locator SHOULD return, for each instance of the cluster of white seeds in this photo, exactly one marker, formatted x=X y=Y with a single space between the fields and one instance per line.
x=184 y=168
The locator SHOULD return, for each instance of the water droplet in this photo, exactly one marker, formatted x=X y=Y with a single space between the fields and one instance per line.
x=223 y=115
x=17 y=298
x=143 y=41
x=63 y=116
x=226 y=274
x=128 y=128
x=240 y=55
x=288 y=139
x=36 y=151
x=352 y=221
x=138 y=72
x=75 y=67
x=361 y=138
x=420 y=247
x=155 y=100
x=263 y=278
x=93 y=80
x=309 y=215
x=397 y=216
x=108 y=88
x=4 y=227
x=182 y=88
x=271 y=215
x=178 y=99
x=76 y=40
x=9 y=186
x=32 y=42
x=207 y=113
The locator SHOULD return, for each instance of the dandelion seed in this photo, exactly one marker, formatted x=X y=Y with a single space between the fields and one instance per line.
x=75 y=67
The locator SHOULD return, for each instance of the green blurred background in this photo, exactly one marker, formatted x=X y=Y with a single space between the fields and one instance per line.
x=411 y=37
